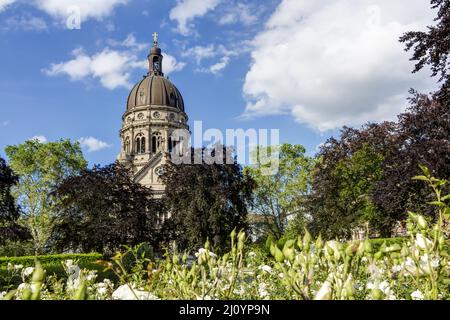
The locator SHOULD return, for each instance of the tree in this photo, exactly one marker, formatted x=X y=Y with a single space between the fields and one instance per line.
x=346 y=173
x=101 y=209
x=279 y=197
x=423 y=138
x=205 y=201
x=9 y=212
x=424 y=130
x=41 y=166
x=432 y=48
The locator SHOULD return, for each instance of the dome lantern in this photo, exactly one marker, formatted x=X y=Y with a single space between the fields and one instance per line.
x=155 y=58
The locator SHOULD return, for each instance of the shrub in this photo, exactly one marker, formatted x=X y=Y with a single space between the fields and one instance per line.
x=16 y=249
x=28 y=261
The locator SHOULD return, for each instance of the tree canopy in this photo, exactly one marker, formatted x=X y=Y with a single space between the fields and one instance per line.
x=205 y=201
x=101 y=209
x=280 y=196
x=9 y=211
x=41 y=166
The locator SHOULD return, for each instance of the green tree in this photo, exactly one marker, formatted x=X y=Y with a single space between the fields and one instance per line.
x=280 y=196
x=102 y=209
x=205 y=201
x=344 y=178
x=9 y=211
x=40 y=167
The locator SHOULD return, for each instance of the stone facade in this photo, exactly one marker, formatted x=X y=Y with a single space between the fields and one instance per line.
x=155 y=108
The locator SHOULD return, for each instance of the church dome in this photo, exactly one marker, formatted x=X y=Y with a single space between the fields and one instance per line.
x=157 y=90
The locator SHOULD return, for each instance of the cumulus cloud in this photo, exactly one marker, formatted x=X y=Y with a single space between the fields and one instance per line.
x=93 y=144
x=5 y=3
x=111 y=66
x=239 y=12
x=26 y=22
x=41 y=139
x=219 y=53
x=170 y=64
x=92 y=9
x=187 y=10
x=331 y=63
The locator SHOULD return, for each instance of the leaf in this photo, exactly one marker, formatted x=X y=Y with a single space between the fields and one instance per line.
x=422 y=178
x=437 y=203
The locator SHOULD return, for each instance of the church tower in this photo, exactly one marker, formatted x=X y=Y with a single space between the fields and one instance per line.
x=155 y=108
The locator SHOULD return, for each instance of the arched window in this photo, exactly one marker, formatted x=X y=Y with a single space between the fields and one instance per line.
x=170 y=145
x=142 y=145
x=126 y=146
x=156 y=142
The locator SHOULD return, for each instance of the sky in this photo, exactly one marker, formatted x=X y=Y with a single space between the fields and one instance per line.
x=305 y=67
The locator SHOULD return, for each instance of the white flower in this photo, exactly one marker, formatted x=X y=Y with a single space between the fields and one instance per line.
x=125 y=293
x=397 y=268
x=27 y=271
x=422 y=242
x=324 y=292
x=434 y=263
x=265 y=268
x=18 y=267
x=370 y=285
x=410 y=265
x=262 y=288
x=102 y=290
x=2 y=295
x=417 y=295
x=68 y=263
x=252 y=254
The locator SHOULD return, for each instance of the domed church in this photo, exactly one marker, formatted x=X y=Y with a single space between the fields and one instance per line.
x=155 y=108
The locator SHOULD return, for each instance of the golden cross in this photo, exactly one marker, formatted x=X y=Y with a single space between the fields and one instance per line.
x=155 y=39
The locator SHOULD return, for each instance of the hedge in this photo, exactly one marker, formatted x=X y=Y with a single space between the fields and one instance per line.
x=378 y=242
x=29 y=261
x=53 y=265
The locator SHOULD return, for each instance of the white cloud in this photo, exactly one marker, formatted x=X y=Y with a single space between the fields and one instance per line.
x=41 y=139
x=201 y=53
x=26 y=22
x=187 y=10
x=95 y=9
x=93 y=144
x=4 y=123
x=129 y=42
x=240 y=12
x=5 y=3
x=112 y=67
x=170 y=64
x=219 y=66
x=334 y=62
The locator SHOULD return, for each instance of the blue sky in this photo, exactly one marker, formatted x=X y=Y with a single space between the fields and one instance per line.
x=304 y=67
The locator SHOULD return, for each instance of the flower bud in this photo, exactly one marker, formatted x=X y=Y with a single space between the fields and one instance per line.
x=367 y=246
x=319 y=242
x=422 y=222
x=279 y=256
x=233 y=234
x=377 y=294
x=306 y=240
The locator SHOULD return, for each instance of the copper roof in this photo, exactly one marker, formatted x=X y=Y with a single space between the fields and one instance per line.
x=155 y=90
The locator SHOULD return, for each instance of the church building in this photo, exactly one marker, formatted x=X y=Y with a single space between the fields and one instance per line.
x=155 y=108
